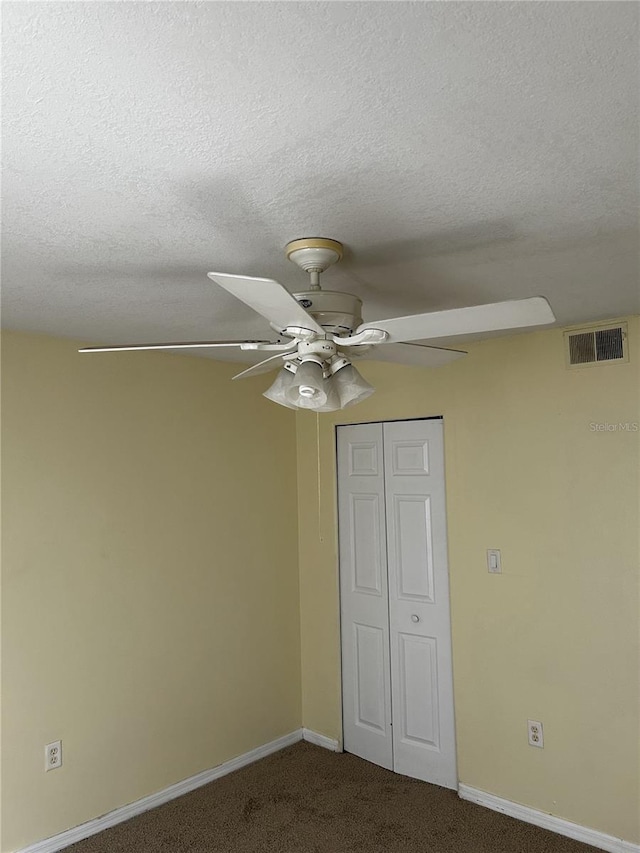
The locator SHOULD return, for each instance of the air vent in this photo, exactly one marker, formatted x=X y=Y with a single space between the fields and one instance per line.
x=591 y=346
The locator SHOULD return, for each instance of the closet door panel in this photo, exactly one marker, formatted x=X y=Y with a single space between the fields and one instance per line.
x=419 y=619
x=366 y=664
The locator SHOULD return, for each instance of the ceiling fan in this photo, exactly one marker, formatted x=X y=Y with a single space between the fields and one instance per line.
x=321 y=331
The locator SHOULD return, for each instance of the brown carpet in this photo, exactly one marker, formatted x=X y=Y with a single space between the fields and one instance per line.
x=308 y=800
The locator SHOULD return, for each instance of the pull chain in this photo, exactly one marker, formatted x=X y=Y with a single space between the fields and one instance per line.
x=320 y=539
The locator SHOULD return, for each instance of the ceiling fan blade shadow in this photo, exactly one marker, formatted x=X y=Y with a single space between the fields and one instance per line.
x=419 y=274
x=453 y=241
x=224 y=207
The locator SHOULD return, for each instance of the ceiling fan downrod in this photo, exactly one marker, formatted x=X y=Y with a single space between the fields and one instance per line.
x=314 y=255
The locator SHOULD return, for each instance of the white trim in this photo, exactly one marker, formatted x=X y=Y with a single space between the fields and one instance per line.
x=466 y=792
x=85 y=830
x=321 y=740
x=548 y=821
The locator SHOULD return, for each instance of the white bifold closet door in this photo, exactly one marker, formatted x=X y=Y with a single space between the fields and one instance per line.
x=394 y=588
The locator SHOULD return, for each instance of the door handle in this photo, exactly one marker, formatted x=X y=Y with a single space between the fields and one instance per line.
x=415 y=617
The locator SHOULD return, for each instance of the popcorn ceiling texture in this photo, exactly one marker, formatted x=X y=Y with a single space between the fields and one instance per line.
x=463 y=152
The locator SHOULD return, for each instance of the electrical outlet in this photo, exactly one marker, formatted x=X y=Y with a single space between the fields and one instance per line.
x=53 y=755
x=536 y=736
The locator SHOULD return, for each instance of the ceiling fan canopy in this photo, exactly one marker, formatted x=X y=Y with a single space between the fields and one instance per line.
x=320 y=332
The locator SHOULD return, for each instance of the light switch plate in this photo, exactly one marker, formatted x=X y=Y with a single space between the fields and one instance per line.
x=494 y=561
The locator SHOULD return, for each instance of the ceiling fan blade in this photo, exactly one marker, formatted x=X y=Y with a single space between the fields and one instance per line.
x=268 y=298
x=176 y=345
x=262 y=366
x=412 y=354
x=513 y=314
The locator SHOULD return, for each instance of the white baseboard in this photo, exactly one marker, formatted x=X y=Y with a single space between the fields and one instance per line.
x=524 y=813
x=320 y=740
x=548 y=821
x=85 y=830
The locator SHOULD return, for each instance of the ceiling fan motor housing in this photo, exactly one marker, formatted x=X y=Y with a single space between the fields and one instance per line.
x=337 y=313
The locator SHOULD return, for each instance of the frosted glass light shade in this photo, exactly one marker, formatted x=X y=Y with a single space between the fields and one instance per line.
x=351 y=386
x=278 y=391
x=331 y=404
x=308 y=389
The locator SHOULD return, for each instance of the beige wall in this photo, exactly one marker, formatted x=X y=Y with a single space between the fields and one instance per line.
x=555 y=637
x=150 y=587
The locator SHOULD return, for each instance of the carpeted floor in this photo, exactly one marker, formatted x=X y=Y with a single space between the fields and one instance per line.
x=308 y=800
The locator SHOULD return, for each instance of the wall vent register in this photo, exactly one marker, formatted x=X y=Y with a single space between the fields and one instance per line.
x=592 y=346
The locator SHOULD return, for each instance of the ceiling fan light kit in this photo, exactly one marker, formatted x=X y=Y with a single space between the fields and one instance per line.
x=324 y=330
x=320 y=387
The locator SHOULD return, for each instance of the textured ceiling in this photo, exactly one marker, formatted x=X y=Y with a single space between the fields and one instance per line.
x=463 y=152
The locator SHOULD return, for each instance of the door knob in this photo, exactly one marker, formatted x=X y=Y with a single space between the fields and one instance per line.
x=415 y=618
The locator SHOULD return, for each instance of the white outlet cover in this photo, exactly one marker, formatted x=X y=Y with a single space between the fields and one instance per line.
x=536 y=733
x=53 y=755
